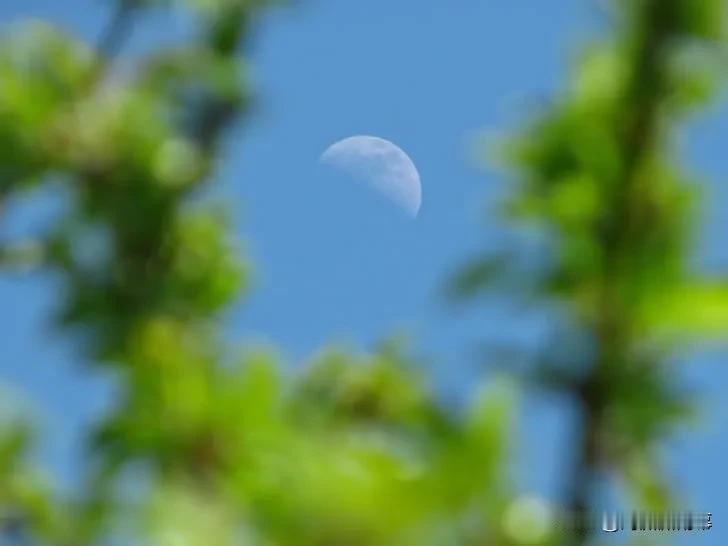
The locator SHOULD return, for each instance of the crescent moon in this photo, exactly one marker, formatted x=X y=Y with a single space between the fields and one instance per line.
x=382 y=165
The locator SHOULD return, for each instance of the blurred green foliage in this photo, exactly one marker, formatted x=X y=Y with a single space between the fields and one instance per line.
x=207 y=446
x=597 y=176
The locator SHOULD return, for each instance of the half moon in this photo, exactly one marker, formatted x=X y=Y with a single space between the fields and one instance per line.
x=382 y=165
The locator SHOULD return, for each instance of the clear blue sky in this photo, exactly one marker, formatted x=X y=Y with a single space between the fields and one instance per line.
x=334 y=261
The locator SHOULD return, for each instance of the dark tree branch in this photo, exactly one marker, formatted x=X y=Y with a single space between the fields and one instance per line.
x=117 y=30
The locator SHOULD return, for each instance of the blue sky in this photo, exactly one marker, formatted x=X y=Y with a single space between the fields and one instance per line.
x=334 y=261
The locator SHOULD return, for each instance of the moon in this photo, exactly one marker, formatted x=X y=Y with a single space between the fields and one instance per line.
x=382 y=165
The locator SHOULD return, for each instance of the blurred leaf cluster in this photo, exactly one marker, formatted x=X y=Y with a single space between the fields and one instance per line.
x=596 y=175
